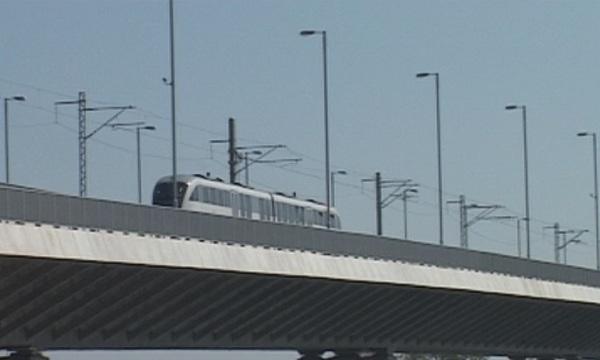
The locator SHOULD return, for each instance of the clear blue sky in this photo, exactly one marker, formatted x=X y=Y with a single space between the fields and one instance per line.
x=244 y=59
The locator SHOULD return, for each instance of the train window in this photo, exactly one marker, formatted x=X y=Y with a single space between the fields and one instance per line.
x=263 y=206
x=320 y=217
x=248 y=206
x=338 y=223
x=278 y=212
x=283 y=213
x=255 y=204
x=163 y=193
x=245 y=206
x=267 y=206
x=223 y=198
x=288 y=213
x=251 y=206
x=261 y=209
x=235 y=204
x=226 y=198
x=195 y=196
x=268 y=210
x=218 y=197
x=309 y=216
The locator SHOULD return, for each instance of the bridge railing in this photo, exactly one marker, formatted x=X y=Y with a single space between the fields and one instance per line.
x=30 y=205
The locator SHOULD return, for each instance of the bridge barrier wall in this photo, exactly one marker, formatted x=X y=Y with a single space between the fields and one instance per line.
x=37 y=206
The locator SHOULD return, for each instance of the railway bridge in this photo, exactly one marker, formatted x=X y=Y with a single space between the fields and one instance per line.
x=93 y=274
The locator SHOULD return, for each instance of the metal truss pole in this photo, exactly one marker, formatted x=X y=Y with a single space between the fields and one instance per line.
x=378 y=203
x=83 y=136
x=233 y=155
x=82 y=145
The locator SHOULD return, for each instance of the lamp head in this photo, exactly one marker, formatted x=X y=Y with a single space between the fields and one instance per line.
x=307 y=32
x=511 y=107
x=342 y=172
x=18 y=98
x=149 y=127
x=583 y=133
x=422 y=75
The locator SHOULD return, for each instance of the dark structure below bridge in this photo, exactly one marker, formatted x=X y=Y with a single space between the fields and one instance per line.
x=57 y=304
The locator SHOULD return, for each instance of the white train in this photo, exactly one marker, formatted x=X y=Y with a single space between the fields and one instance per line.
x=213 y=196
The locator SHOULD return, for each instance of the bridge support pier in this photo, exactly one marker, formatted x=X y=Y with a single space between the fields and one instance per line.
x=515 y=357
x=344 y=354
x=24 y=354
x=311 y=354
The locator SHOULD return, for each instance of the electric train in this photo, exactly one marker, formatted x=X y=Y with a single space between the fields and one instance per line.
x=213 y=196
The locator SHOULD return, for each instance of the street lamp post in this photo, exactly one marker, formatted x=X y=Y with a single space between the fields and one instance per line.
x=527 y=218
x=139 y=126
x=439 y=150
x=333 y=173
x=6 y=158
x=323 y=34
x=405 y=197
x=595 y=150
x=171 y=83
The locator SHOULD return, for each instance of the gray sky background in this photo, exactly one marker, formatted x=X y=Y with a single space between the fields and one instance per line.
x=245 y=59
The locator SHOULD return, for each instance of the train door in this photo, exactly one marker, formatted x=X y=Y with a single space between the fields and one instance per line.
x=235 y=204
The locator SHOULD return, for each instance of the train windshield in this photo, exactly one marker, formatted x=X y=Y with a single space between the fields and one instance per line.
x=163 y=193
